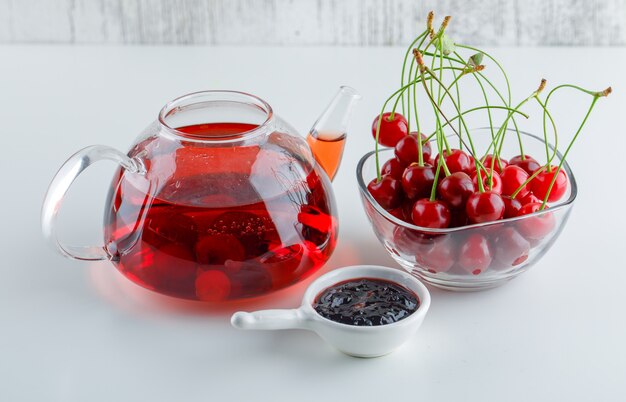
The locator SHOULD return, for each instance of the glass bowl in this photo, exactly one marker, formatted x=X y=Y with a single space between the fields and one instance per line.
x=515 y=244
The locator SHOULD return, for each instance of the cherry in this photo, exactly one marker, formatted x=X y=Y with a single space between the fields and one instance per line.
x=472 y=165
x=387 y=192
x=541 y=184
x=495 y=177
x=498 y=167
x=512 y=178
x=430 y=214
x=475 y=255
x=529 y=198
x=397 y=212
x=417 y=181
x=439 y=257
x=456 y=189
x=535 y=227
x=407 y=149
x=407 y=207
x=393 y=167
x=510 y=247
x=512 y=206
x=528 y=163
x=484 y=207
x=411 y=242
x=392 y=130
x=456 y=161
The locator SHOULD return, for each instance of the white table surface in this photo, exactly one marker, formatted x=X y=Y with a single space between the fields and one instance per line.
x=75 y=331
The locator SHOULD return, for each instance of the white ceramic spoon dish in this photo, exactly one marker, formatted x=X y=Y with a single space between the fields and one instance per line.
x=359 y=341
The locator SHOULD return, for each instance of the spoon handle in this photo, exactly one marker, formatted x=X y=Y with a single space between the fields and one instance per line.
x=269 y=319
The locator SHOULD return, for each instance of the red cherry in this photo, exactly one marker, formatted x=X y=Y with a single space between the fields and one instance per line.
x=495 y=177
x=497 y=166
x=411 y=242
x=417 y=181
x=393 y=168
x=535 y=227
x=397 y=212
x=528 y=163
x=407 y=207
x=529 y=198
x=484 y=207
x=472 y=166
x=407 y=151
x=392 y=130
x=475 y=255
x=510 y=247
x=430 y=214
x=456 y=189
x=541 y=183
x=439 y=257
x=387 y=192
x=512 y=177
x=512 y=206
x=456 y=161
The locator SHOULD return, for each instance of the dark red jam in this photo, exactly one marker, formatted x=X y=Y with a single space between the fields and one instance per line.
x=366 y=302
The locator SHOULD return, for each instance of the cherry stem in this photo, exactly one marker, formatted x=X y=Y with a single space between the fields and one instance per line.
x=500 y=135
x=466 y=70
x=395 y=105
x=476 y=109
x=380 y=118
x=417 y=122
x=433 y=190
x=525 y=183
x=425 y=53
x=495 y=89
x=438 y=132
x=546 y=112
x=508 y=87
x=440 y=144
x=425 y=36
x=440 y=50
x=506 y=78
x=493 y=138
x=458 y=100
x=420 y=156
x=406 y=56
x=596 y=96
x=423 y=68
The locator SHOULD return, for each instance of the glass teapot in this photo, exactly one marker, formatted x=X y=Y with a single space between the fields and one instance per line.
x=219 y=199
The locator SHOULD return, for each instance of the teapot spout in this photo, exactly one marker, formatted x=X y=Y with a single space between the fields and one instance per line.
x=327 y=138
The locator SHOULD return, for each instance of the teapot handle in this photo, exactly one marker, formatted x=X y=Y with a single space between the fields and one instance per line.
x=62 y=181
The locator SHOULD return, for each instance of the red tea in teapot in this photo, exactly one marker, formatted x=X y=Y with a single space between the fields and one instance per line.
x=218 y=199
x=235 y=222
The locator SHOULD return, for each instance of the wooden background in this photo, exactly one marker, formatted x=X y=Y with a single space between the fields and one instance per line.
x=310 y=22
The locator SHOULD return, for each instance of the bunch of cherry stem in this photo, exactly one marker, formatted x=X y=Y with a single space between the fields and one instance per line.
x=430 y=78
